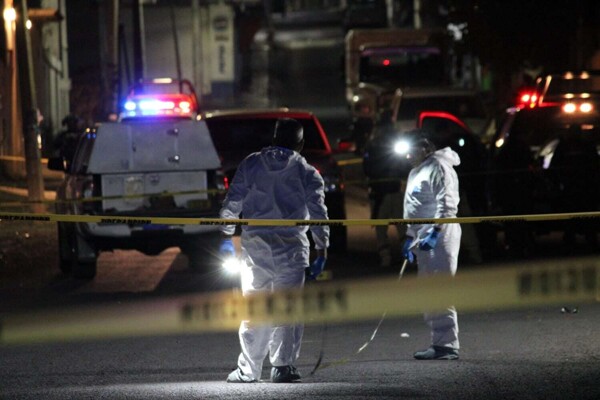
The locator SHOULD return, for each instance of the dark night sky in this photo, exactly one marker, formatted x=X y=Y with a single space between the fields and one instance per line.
x=82 y=28
x=502 y=31
x=548 y=33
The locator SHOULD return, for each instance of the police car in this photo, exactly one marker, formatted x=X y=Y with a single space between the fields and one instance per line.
x=158 y=160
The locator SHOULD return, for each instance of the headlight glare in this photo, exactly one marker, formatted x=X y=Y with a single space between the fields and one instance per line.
x=401 y=147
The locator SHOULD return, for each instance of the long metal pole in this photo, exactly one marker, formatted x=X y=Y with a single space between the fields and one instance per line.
x=176 y=44
x=29 y=107
x=138 y=41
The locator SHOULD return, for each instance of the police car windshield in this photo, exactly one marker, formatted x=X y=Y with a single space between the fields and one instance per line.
x=250 y=134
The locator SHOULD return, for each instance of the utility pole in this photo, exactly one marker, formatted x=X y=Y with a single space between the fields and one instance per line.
x=417 y=14
x=109 y=32
x=29 y=107
x=139 y=50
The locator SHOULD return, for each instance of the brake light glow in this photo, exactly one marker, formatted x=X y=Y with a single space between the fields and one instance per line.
x=386 y=62
x=527 y=99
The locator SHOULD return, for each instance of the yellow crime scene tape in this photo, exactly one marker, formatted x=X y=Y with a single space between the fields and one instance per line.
x=575 y=281
x=342 y=163
x=121 y=219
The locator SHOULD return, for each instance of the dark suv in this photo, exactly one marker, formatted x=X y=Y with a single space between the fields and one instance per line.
x=545 y=159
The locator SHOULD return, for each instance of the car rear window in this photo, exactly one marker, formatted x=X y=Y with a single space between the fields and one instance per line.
x=250 y=134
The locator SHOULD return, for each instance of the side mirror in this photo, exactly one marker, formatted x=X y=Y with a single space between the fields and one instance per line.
x=57 y=164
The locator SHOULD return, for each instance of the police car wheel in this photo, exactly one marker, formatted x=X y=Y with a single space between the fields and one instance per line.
x=83 y=266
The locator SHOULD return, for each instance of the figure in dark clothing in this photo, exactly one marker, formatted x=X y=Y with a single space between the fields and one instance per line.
x=65 y=142
x=575 y=166
x=386 y=171
x=514 y=183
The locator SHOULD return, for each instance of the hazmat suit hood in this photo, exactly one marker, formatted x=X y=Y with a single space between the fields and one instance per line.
x=447 y=156
x=277 y=158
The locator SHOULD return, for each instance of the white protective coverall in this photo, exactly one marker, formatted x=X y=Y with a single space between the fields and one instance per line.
x=432 y=192
x=275 y=183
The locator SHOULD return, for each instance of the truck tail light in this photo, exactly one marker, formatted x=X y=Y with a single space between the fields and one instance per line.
x=220 y=182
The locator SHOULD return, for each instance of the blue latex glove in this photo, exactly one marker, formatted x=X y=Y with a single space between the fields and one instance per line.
x=227 y=249
x=316 y=267
x=430 y=240
x=406 y=252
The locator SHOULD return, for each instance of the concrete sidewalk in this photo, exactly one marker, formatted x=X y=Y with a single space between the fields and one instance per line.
x=23 y=192
x=14 y=189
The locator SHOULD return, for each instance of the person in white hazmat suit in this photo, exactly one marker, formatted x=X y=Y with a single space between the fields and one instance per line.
x=275 y=183
x=432 y=191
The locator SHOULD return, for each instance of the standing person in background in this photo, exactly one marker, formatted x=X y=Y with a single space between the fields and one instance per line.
x=575 y=167
x=514 y=192
x=386 y=170
x=275 y=183
x=432 y=191
x=65 y=142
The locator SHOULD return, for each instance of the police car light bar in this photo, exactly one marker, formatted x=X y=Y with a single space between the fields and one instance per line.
x=155 y=106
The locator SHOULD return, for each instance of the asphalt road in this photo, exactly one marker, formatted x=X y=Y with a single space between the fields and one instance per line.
x=527 y=354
